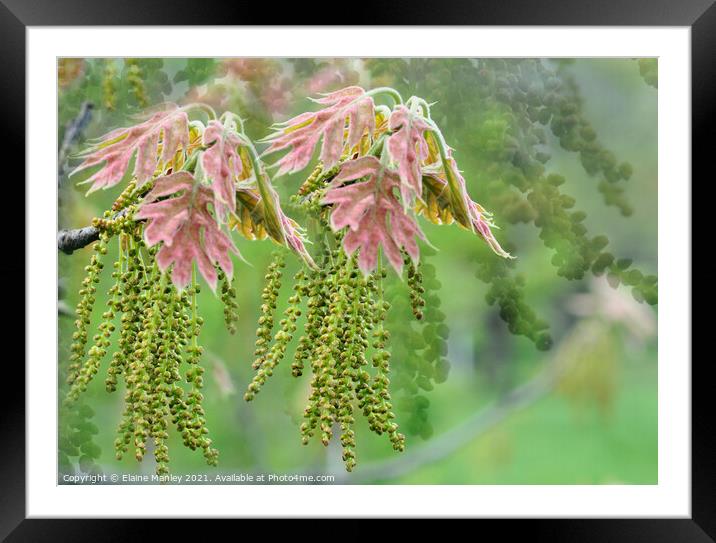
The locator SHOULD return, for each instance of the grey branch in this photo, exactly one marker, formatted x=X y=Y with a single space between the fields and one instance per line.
x=69 y=241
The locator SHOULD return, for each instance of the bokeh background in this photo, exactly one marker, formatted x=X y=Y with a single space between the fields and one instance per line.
x=582 y=412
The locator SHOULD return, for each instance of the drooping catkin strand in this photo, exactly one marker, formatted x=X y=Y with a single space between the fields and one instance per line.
x=269 y=297
x=228 y=298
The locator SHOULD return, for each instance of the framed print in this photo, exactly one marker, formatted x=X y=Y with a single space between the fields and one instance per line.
x=361 y=271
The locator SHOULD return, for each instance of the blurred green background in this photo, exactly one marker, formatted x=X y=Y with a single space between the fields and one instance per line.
x=582 y=412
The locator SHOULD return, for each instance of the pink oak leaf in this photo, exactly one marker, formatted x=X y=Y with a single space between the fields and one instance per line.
x=302 y=133
x=279 y=226
x=373 y=214
x=256 y=221
x=295 y=239
x=407 y=148
x=115 y=149
x=182 y=221
x=222 y=164
x=482 y=224
x=439 y=197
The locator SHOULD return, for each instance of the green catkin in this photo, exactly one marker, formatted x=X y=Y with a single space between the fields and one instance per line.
x=344 y=310
x=123 y=361
x=97 y=352
x=320 y=297
x=322 y=401
x=129 y=279
x=197 y=428
x=117 y=362
x=332 y=360
x=269 y=295
x=116 y=223
x=312 y=182
x=315 y=310
x=415 y=284
x=350 y=360
x=165 y=374
x=228 y=298
x=109 y=87
x=288 y=325
x=79 y=373
x=127 y=196
x=381 y=400
x=178 y=406
x=316 y=181
x=310 y=194
x=169 y=325
x=136 y=82
x=158 y=333
x=140 y=363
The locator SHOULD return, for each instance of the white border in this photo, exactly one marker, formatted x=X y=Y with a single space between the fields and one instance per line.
x=671 y=497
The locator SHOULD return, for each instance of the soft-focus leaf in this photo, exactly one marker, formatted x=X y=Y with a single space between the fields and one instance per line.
x=187 y=229
x=373 y=214
x=302 y=133
x=114 y=150
x=198 y=71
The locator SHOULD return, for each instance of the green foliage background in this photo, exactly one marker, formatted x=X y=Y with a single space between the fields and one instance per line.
x=599 y=425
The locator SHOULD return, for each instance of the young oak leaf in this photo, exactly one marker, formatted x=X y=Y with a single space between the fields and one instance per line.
x=468 y=213
x=189 y=232
x=222 y=164
x=437 y=206
x=373 y=214
x=252 y=220
x=295 y=238
x=302 y=133
x=408 y=148
x=115 y=149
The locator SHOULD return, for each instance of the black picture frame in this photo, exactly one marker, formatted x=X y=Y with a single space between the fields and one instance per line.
x=16 y=15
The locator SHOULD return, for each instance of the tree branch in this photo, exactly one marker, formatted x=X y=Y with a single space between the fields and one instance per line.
x=69 y=241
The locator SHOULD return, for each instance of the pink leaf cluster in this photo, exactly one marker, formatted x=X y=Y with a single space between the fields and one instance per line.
x=301 y=134
x=115 y=149
x=278 y=225
x=183 y=222
x=475 y=218
x=373 y=214
x=408 y=148
x=476 y=215
x=222 y=164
